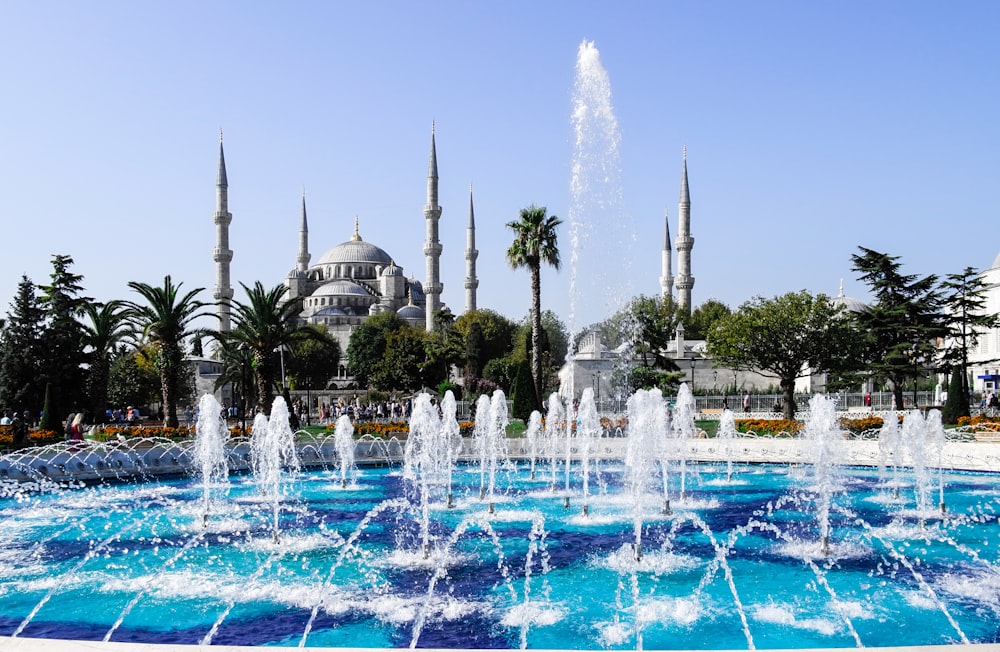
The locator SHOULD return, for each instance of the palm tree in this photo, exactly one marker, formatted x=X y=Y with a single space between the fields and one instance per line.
x=534 y=244
x=107 y=326
x=165 y=322
x=266 y=325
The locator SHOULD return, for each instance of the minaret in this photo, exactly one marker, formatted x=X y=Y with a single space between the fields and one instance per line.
x=222 y=254
x=432 y=247
x=471 y=254
x=684 y=281
x=302 y=261
x=666 y=263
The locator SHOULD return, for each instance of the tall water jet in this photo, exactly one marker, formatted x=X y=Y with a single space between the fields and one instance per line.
x=421 y=458
x=935 y=436
x=273 y=452
x=451 y=439
x=209 y=450
x=822 y=430
x=343 y=439
x=645 y=435
x=588 y=427
x=914 y=438
x=726 y=436
x=532 y=433
x=554 y=429
x=497 y=439
x=683 y=428
x=596 y=202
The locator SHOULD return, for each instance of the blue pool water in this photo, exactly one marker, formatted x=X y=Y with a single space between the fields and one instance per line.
x=734 y=565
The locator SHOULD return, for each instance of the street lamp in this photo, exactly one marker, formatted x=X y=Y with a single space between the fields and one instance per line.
x=692 y=374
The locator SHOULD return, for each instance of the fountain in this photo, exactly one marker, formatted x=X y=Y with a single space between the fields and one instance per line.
x=273 y=453
x=390 y=563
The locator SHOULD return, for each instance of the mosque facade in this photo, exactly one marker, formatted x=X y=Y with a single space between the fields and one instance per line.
x=355 y=279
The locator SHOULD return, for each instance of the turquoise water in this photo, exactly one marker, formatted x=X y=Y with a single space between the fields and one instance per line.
x=734 y=564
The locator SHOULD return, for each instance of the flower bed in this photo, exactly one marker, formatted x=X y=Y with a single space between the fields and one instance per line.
x=386 y=429
x=135 y=432
x=769 y=426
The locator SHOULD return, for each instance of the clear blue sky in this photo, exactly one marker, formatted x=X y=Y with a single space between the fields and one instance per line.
x=811 y=128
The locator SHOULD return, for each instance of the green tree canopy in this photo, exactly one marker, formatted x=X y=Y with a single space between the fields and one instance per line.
x=313 y=361
x=63 y=357
x=495 y=338
x=21 y=352
x=367 y=344
x=701 y=320
x=789 y=337
x=902 y=324
x=402 y=363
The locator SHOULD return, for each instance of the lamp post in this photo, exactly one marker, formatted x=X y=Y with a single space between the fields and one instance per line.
x=692 y=374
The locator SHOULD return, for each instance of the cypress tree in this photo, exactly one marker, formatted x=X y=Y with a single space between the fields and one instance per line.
x=957 y=404
x=524 y=395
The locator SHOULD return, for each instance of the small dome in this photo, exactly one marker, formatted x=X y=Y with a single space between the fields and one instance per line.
x=330 y=311
x=410 y=312
x=849 y=304
x=341 y=288
x=392 y=270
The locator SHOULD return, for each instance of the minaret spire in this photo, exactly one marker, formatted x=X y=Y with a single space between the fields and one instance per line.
x=222 y=254
x=302 y=261
x=432 y=246
x=684 y=281
x=666 y=262
x=471 y=254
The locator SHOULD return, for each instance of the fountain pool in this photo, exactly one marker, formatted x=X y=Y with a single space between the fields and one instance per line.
x=736 y=563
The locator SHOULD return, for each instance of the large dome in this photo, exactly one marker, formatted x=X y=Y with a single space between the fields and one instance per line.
x=354 y=252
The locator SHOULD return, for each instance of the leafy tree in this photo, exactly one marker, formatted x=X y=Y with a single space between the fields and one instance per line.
x=21 y=352
x=535 y=243
x=444 y=348
x=314 y=360
x=132 y=380
x=402 y=361
x=790 y=337
x=554 y=342
x=702 y=318
x=367 y=344
x=903 y=322
x=656 y=321
x=105 y=329
x=966 y=318
x=63 y=356
x=164 y=321
x=495 y=338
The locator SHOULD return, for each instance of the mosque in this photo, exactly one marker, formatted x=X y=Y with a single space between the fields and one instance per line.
x=355 y=279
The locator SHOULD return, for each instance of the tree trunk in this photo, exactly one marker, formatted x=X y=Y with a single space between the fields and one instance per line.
x=536 y=331
x=788 y=396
